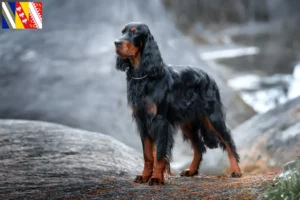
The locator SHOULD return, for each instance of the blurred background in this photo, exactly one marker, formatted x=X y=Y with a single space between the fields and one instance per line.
x=65 y=72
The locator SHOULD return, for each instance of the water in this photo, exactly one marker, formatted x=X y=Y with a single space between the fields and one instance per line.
x=267 y=66
x=265 y=93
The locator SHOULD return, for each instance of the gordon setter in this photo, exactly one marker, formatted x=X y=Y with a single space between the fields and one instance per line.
x=163 y=99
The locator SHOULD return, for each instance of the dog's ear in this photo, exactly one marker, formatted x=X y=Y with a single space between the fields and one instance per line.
x=122 y=64
x=151 y=60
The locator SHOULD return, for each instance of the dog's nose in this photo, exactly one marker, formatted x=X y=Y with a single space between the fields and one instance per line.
x=118 y=43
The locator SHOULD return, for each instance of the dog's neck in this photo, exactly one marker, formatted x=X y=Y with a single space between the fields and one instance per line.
x=139 y=73
x=136 y=73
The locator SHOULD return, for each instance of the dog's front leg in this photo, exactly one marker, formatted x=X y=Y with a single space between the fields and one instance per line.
x=148 y=161
x=161 y=131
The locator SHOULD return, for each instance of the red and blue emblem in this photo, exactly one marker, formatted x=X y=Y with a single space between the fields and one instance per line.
x=22 y=15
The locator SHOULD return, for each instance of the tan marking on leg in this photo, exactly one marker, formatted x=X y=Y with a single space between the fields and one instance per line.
x=196 y=160
x=148 y=162
x=194 y=166
x=158 y=172
x=148 y=157
x=234 y=166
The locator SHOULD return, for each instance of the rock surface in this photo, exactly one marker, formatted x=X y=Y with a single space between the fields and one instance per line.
x=41 y=160
x=218 y=12
x=270 y=140
x=199 y=187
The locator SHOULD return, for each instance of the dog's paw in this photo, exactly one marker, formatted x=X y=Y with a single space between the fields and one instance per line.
x=156 y=181
x=236 y=174
x=141 y=179
x=189 y=172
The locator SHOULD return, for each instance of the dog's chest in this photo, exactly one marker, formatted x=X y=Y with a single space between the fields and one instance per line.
x=136 y=91
x=140 y=100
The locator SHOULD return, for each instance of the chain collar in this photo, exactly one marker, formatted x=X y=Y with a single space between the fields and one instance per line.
x=135 y=78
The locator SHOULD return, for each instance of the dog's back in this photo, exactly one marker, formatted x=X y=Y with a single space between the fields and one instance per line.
x=193 y=94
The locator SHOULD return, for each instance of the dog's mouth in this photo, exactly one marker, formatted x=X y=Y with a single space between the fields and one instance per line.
x=123 y=54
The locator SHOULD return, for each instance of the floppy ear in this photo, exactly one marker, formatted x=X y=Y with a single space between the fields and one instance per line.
x=122 y=64
x=151 y=60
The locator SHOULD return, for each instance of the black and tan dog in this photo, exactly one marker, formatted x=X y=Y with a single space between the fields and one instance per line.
x=164 y=98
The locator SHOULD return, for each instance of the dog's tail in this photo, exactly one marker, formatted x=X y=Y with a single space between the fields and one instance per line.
x=210 y=138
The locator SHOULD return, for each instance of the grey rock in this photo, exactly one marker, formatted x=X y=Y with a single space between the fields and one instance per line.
x=36 y=155
x=40 y=160
x=232 y=11
x=270 y=139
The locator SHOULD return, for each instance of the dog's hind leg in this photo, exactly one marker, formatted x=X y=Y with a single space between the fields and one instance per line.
x=148 y=161
x=215 y=123
x=191 y=132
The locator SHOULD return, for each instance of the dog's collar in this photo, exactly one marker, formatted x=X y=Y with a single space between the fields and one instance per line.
x=135 y=78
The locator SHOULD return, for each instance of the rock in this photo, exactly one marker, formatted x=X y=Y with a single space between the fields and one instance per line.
x=199 y=187
x=219 y=12
x=65 y=73
x=42 y=160
x=270 y=140
x=39 y=158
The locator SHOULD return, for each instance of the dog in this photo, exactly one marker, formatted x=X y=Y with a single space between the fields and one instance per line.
x=165 y=98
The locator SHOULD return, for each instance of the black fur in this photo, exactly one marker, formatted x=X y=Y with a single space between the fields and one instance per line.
x=122 y=64
x=182 y=94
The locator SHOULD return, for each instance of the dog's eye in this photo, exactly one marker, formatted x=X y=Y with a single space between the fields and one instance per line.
x=133 y=32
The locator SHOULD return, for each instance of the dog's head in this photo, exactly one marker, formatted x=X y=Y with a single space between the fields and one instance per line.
x=136 y=48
